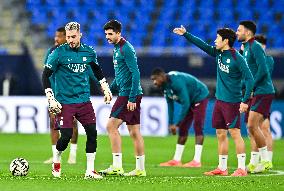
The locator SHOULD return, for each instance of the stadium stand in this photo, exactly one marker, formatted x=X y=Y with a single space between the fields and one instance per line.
x=151 y=21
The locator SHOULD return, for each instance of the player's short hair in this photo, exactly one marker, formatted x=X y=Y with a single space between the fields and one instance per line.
x=115 y=25
x=61 y=29
x=157 y=71
x=72 y=26
x=261 y=38
x=227 y=33
x=250 y=25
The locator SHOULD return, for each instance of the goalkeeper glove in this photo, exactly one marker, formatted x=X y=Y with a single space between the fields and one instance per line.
x=54 y=106
x=106 y=91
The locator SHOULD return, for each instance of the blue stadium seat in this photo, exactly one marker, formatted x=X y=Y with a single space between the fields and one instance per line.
x=33 y=2
x=72 y=3
x=206 y=14
x=53 y=3
x=267 y=17
x=89 y=3
x=206 y=4
x=38 y=16
x=261 y=4
x=278 y=4
x=225 y=5
x=241 y=5
x=244 y=14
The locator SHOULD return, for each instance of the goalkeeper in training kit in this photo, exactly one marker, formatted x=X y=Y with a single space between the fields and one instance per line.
x=69 y=62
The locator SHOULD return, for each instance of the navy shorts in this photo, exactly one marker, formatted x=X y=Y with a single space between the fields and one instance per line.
x=226 y=115
x=119 y=110
x=197 y=113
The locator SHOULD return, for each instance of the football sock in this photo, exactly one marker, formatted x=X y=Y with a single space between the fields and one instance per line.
x=178 y=152
x=53 y=147
x=263 y=154
x=223 y=162
x=90 y=161
x=242 y=161
x=270 y=155
x=254 y=158
x=73 y=149
x=117 y=160
x=140 y=162
x=57 y=156
x=198 y=151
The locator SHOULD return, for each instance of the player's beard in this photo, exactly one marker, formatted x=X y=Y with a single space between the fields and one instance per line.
x=241 y=39
x=74 y=45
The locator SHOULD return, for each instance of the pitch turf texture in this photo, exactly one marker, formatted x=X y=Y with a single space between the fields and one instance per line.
x=36 y=149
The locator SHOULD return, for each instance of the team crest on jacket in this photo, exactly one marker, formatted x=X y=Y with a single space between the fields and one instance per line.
x=115 y=62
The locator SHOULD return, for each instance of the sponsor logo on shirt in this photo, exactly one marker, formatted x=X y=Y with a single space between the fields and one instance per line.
x=223 y=67
x=77 y=67
x=48 y=65
x=84 y=59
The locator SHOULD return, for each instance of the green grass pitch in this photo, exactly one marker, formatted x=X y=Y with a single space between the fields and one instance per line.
x=36 y=148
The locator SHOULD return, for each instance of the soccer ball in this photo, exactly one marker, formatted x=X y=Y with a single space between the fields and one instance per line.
x=19 y=167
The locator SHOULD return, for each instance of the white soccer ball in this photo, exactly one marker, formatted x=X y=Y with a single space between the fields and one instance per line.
x=19 y=167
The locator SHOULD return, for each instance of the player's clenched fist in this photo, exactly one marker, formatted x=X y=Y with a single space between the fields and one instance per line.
x=180 y=31
x=54 y=106
x=243 y=107
x=131 y=106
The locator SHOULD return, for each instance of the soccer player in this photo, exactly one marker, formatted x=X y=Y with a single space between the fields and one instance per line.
x=263 y=91
x=70 y=64
x=127 y=105
x=192 y=95
x=265 y=126
x=231 y=69
x=60 y=38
